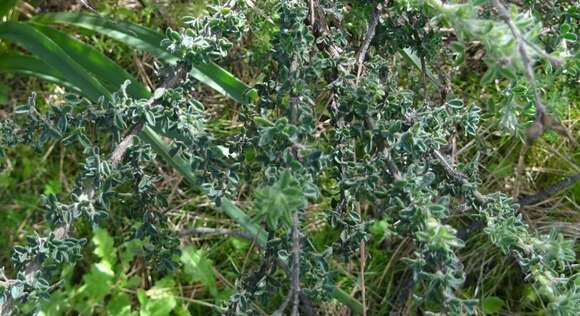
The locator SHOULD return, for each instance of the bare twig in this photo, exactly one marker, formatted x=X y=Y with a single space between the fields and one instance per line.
x=550 y=191
x=312 y=13
x=33 y=268
x=521 y=45
x=216 y=231
x=481 y=198
x=362 y=252
x=122 y=147
x=296 y=262
x=294 y=294
x=393 y=169
x=361 y=54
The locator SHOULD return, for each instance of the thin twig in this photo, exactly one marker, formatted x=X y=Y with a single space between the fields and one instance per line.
x=521 y=45
x=294 y=293
x=481 y=198
x=393 y=169
x=296 y=262
x=550 y=191
x=312 y=13
x=362 y=253
x=370 y=34
x=122 y=147
x=217 y=231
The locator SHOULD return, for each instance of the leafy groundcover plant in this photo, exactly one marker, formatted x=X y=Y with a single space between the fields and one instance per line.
x=331 y=141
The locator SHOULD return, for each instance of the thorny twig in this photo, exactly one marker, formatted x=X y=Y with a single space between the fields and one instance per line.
x=32 y=269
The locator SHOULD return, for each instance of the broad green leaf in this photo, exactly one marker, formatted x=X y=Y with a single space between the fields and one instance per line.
x=343 y=297
x=35 y=67
x=151 y=137
x=104 y=69
x=128 y=252
x=245 y=221
x=120 y=305
x=223 y=82
x=43 y=47
x=97 y=283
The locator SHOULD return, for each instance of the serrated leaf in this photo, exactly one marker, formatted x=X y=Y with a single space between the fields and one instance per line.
x=159 y=300
x=198 y=267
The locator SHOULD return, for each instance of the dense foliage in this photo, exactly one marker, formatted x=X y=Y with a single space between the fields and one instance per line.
x=334 y=167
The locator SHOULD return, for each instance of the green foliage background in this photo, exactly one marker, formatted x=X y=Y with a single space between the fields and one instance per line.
x=466 y=86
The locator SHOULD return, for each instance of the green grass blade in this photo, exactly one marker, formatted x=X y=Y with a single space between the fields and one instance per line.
x=34 y=67
x=101 y=67
x=130 y=34
x=162 y=149
x=408 y=54
x=48 y=51
x=235 y=213
x=223 y=82
x=148 y=40
x=6 y=6
x=343 y=297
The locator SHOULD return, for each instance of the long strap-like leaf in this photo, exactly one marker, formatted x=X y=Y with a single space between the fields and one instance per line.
x=100 y=66
x=148 y=40
x=26 y=36
x=127 y=33
x=28 y=65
